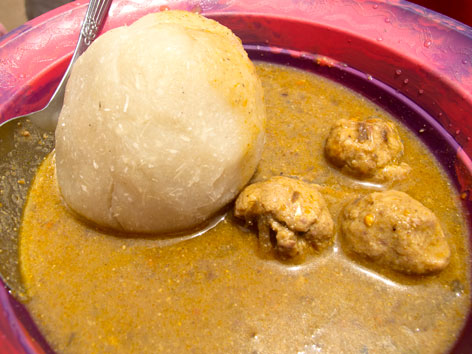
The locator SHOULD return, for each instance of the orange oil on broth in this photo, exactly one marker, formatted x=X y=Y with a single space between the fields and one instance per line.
x=92 y=292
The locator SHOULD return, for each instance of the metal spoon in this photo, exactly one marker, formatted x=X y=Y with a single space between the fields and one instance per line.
x=96 y=12
x=24 y=141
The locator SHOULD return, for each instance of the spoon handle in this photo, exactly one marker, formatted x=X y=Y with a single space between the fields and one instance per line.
x=96 y=12
x=92 y=23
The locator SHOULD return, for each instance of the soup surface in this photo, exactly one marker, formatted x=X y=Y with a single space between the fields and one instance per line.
x=94 y=292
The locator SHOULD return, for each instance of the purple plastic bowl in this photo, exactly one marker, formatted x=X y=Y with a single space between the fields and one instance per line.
x=414 y=62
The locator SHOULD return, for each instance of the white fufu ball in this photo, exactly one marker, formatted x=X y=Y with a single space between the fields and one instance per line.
x=162 y=124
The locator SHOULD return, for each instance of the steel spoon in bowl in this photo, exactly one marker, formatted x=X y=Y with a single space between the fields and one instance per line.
x=46 y=118
x=24 y=141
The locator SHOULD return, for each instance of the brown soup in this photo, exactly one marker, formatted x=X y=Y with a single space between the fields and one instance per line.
x=91 y=291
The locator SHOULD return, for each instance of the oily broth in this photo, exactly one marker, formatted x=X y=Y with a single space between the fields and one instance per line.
x=90 y=291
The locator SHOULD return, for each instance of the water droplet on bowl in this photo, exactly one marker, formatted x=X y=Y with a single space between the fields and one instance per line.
x=387 y=20
x=375 y=6
x=398 y=72
x=457 y=287
x=427 y=44
x=464 y=61
x=405 y=81
x=420 y=91
x=379 y=39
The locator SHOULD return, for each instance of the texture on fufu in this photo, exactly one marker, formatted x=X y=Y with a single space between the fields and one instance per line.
x=162 y=124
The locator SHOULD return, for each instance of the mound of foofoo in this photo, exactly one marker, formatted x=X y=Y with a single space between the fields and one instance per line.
x=162 y=124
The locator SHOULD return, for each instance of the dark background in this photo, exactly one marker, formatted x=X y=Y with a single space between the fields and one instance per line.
x=460 y=10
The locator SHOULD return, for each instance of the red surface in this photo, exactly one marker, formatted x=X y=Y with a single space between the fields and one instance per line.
x=460 y=10
x=425 y=56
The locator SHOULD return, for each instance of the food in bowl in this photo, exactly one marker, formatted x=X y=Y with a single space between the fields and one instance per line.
x=368 y=148
x=391 y=227
x=172 y=114
x=218 y=292
x=292 y=209
x=312 y=311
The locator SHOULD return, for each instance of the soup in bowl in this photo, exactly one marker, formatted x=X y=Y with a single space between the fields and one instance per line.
x=226 y=289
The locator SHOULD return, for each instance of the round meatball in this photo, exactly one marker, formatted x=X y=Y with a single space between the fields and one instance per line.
x=367 y=148
x=294 y=210
x=162 y=125
x=395 y=230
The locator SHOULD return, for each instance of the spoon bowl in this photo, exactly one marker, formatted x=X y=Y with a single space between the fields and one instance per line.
x=24 y=142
